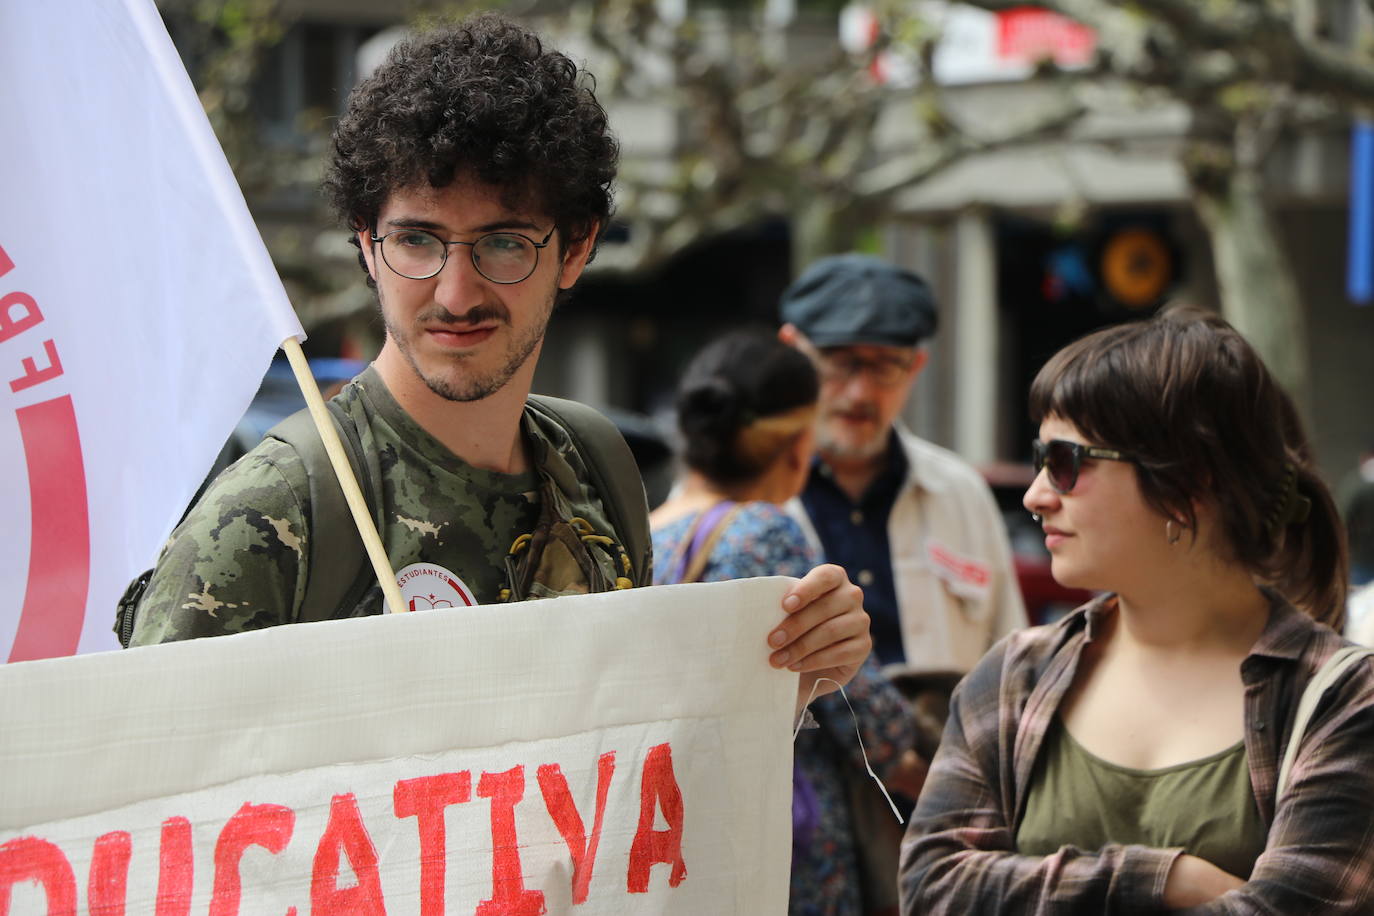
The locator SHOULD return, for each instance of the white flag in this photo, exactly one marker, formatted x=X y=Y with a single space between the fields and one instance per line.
x=138 y=311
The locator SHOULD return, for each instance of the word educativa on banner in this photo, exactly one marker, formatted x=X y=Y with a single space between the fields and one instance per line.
x=272 y=827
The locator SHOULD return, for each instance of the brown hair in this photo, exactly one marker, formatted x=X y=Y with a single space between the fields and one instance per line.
x=1188 y=397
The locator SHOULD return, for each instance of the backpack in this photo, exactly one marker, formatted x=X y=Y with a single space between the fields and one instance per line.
x=340 y=573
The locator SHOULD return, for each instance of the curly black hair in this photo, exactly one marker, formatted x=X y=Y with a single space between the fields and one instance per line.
x=483 y=98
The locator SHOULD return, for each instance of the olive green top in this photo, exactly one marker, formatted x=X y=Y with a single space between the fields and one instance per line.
x=1204 y=806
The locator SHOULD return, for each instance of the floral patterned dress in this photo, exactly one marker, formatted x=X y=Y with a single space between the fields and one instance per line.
x=762 y=540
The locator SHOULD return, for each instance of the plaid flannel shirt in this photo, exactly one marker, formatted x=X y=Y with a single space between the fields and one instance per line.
x=959 y=855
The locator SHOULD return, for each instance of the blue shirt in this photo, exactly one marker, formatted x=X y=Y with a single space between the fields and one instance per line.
x=854 y=535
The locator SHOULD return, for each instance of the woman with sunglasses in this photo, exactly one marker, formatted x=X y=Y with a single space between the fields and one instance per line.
x=1124 y=759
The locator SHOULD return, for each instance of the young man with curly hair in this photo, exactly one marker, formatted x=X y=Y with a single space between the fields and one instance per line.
x=474 y=169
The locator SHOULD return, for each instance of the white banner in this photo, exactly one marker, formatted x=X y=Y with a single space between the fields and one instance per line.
x=619 y=753
x=138 y=311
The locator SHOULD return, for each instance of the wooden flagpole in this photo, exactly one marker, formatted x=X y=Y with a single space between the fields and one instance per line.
x=357 y=503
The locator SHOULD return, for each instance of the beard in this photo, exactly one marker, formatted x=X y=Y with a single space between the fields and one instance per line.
x=456 y=379
x=835 y=441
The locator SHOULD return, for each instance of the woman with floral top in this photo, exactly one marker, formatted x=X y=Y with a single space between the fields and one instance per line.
x=1124 y=759
x=746 y=408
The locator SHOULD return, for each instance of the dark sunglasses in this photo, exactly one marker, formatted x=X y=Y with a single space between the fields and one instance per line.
x=1062 y=459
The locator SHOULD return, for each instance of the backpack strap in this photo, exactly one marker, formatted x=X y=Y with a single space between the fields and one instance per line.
x=126 y=610
x=614 y=475
x=339 y=573
x=1326 y=675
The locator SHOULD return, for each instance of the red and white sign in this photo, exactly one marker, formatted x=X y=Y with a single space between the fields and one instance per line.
x=138 y=311
x=1028 y=35
x=963 y=575
x=618 y=753
x=975 y=45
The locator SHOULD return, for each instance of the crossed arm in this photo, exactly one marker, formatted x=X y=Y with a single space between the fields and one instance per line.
x=959 y=855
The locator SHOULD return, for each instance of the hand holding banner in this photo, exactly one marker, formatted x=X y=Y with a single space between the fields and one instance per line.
x=627 y=751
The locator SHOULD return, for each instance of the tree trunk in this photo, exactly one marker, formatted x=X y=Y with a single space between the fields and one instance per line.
x=1259 y=293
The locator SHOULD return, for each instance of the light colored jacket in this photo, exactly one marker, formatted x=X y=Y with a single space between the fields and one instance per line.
x=951 y=561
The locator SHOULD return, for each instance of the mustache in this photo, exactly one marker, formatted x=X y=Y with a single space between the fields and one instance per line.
x=856 y=409
x=475 y=315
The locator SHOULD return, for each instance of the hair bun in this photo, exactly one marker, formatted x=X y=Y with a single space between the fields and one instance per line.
x=710 y=407
x=736 y=380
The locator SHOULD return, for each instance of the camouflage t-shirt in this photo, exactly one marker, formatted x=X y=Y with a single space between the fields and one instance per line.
x=239 y=560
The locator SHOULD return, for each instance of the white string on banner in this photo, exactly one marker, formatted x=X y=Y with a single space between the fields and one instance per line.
x=853 y=717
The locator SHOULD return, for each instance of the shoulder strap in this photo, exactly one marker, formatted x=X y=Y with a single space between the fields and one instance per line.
x=614 y=475
x=704 y=543
x=688 y=560
x=1326 y=675
x=339 y=572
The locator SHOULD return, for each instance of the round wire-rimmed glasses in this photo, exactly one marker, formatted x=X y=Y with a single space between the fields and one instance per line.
x=501 y=257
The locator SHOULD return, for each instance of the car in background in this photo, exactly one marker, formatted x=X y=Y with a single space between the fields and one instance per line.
x=1046 y=600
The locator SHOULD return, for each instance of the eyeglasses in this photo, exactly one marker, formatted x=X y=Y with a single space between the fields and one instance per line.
x=1062 y=459
x=501 y=257
x=841 y=366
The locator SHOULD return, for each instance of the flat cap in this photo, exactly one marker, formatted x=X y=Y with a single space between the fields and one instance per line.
x=849 y=299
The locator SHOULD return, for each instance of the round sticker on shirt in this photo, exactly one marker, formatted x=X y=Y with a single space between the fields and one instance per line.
x=425 y=586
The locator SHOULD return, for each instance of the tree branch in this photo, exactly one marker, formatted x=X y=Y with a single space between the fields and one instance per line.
x=897 y=175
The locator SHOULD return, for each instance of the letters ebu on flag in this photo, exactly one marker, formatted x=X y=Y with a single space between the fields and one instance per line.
x=138 y=311
x=619 y=753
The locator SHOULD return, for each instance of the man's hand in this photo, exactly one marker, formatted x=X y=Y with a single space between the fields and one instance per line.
x=1193 y=882
x=825 y=634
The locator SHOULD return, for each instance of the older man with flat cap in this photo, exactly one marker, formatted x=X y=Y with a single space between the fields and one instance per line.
x=915 y=526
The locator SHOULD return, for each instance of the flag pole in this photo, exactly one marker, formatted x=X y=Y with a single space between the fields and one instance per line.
x=357 y=504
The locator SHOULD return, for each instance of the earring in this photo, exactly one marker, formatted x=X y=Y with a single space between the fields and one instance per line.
x=1172 y=532
x=1037 y=517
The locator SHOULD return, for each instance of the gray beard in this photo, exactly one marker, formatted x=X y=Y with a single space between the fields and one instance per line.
x=848 y=451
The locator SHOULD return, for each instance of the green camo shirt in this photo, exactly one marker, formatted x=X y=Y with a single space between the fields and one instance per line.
x=239 y=559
